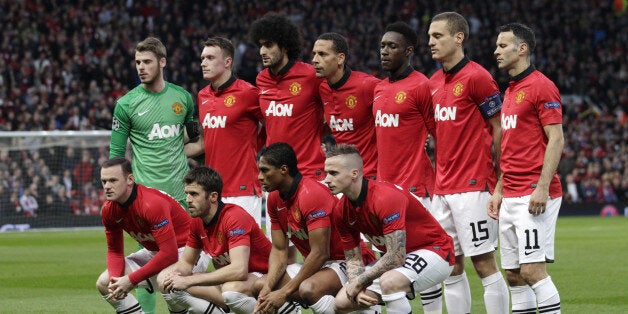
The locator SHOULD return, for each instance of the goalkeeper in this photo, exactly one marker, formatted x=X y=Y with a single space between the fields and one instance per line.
x=154 y=115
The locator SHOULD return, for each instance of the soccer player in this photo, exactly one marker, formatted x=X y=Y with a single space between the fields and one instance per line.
x=300 y=210
x=347 y=97
x=532 y=144
x=288 y=95
x=237 y=244
x=403 y=117
x=153 y=218
x=230 y=118
x=418 y=253
x=466 y=105
x=153 y=116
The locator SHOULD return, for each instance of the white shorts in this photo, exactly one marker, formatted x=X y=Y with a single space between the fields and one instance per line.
x=140 y=258
x=525 y=238
x=423 y=268
x=339 y=267
x=251 y=203
x=465 y=219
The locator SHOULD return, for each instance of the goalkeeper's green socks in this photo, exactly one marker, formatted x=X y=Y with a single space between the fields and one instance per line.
x=146 y=299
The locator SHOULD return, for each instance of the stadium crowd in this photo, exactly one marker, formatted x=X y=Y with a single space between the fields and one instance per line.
x=63 y=65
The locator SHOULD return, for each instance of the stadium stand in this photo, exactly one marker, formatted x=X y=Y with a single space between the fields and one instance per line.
x=63 y=64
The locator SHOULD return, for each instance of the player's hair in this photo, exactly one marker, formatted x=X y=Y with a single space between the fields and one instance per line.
x=223 y=43
x=343 y=149
x=409 y=34
x=208 y=178
x=280 y=154
x=152 y=44
x=339 y=43
x=280 y=29
x=124 y=163
x=456 y=23
x=523 y=34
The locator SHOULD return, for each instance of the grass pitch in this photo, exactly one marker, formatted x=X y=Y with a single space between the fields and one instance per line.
x=55 y=271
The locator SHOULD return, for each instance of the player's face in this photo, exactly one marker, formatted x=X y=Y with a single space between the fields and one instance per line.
x=116 y=185
x=325 y=59
x=507 y=51
x=269 y=175
x=272 y=55
x=213 y=63
x=442 y=43
x=338 y=175
x=198 y=200
x=149 y=67
x=393 y=51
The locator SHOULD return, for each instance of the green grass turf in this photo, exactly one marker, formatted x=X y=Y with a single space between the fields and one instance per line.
x=55 y=271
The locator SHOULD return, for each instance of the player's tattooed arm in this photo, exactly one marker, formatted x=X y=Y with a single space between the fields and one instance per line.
x=394 y=257
x=355 y=266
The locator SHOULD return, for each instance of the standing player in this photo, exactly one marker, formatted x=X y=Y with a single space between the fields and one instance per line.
x=466 y=109
x=403 y=119
x=418 y=254
x=300 y=211
x=288 y=94
x=153 y=116
x=152 y=218
x=230 y=118
x=239 y=248
x=347 y=98
x=532 y=144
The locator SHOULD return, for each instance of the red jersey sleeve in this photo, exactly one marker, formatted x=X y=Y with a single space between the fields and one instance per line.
x=350 y=237
x=485 y=89
x=424 y=102
x=196 y=232
x=271 y=204
x=238 y=229
x=316 y=207
x=391 y=211
x=158 y=217
x=548 y=104
x=115 y=244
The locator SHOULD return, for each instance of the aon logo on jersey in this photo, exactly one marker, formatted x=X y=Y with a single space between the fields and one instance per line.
x=340 y=125
x=214 y=122
x=279 y=110
x=165 y=131
x=386 y=120
x=141 y=237
x=445 y=113
x=509 y=122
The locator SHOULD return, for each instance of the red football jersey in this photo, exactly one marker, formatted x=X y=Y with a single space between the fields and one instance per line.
x=464 y=160
x=531 y=102
x=383 y=208
x=403 y=119
x=230 y=119
x=155 y=220
x=231 y=227
x=348 y=107
x=293 y=113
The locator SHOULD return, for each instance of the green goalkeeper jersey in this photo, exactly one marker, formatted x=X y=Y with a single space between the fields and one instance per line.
x=154 y=122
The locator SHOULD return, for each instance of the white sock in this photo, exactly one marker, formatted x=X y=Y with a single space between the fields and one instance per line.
x=523 y=300
x=458 y=294
x=432 y=299
x=290 y=307
x=396 y=303
x=324 y=306
x=195 y=305
x=547 y=296
x=496 y=298
x=174 y=305
x=127 y=305
x=239 y=303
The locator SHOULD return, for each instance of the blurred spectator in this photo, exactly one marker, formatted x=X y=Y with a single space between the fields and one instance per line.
x=28 y=204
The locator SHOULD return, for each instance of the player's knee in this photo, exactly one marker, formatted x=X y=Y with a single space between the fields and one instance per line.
x=160 y=282
x=392 y=282
x=258 y=285
x=103 y=282
x=533 y=273
x=309 y=292
x=342 y=304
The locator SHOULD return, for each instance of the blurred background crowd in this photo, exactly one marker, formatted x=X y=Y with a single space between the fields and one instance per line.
x=63 y=65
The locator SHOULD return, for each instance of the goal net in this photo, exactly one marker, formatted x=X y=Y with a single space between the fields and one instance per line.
x=51 y=179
